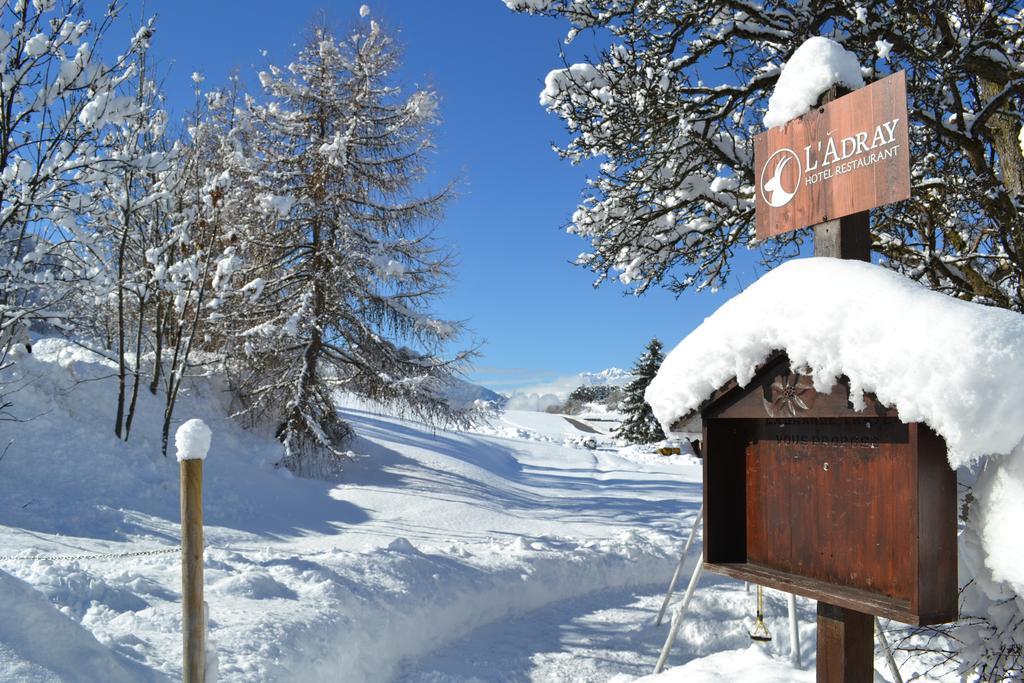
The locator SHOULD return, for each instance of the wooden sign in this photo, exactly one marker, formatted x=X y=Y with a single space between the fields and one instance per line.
x=852 y=508
x=848 y=156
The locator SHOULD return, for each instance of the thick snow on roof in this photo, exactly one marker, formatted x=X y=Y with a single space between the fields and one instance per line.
x=817 y=65
x=957 y=366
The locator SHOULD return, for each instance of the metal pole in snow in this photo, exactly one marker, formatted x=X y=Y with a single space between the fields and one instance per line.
x=677 y=618
x=679 y=567
x=884 y=643
x=794 y=632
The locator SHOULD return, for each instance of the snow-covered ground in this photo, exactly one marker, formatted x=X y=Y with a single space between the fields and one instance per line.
x=508 y=554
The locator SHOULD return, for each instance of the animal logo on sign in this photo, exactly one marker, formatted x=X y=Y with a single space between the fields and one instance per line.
x=774 y=186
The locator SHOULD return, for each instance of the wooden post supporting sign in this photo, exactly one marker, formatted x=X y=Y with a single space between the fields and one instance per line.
x=845 y=637
x=846 y=645
x=846 y=237
x=827 y=169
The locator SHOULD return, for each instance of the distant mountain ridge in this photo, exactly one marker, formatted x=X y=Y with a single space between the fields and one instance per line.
x=461 y=394
x=616 y=377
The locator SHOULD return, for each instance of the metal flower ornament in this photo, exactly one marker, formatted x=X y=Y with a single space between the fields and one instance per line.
x=788 y=395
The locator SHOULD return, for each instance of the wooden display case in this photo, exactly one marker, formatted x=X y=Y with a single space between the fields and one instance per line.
x=807 y=495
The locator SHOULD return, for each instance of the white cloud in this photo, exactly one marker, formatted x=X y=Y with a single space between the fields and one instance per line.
x=537 y=402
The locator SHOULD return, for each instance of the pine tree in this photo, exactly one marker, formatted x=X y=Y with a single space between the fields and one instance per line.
x=640 y=426
x=335 y=273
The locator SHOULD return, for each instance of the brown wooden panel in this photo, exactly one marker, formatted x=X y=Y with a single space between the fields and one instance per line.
x=855 y=508
x=756 y=399
x=936 y=547
x=823 y=504
x=802 y=180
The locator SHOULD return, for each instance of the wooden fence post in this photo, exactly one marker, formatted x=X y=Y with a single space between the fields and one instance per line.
x=192 y=441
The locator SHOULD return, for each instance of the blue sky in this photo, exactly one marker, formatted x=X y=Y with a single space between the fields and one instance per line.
x=539 y=316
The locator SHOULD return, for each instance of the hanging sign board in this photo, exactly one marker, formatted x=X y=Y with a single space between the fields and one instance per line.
x=805 y=494
x=848 y=156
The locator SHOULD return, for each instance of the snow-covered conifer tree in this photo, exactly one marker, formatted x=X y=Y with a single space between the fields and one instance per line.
x=640 y=425
x=671 y=104
x=336 y=278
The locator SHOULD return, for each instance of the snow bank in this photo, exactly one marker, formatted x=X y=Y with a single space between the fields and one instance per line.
x=815 y=67
x=954 y=365
x=38 y=643
x=421 y=601
x=431 y=535
x=751 y=664
x=999 y=510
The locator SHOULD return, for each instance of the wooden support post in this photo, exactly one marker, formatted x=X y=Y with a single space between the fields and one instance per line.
x=845 y=637
x=846 y=652
x=845 y=645
x=848 y=237
x=193 y=612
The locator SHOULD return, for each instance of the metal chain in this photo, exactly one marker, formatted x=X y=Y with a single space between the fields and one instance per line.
x=109 y=556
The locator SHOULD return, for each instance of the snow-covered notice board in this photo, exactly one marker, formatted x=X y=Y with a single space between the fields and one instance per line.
x=838 y=397
x=809 y=495
x=847 y=156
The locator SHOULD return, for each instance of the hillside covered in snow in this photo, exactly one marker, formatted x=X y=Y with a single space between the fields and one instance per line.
x=306 y=580
x=508 y=551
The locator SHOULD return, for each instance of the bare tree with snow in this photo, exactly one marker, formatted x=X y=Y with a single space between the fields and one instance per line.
x=60 y=112
x=129 y=219
x=670 y=106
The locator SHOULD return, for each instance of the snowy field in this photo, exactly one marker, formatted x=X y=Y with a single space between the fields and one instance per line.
x=508 y=554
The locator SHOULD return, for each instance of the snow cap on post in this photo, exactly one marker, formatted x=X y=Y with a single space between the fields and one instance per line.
x=815 y=67
x=192 y=440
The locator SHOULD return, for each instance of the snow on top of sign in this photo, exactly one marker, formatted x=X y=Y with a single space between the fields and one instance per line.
x=817 y=65
x=957 y=366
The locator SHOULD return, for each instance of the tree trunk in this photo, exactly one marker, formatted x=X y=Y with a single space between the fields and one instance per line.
x=121 y=370
x=138 y=369
x=159 y=350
